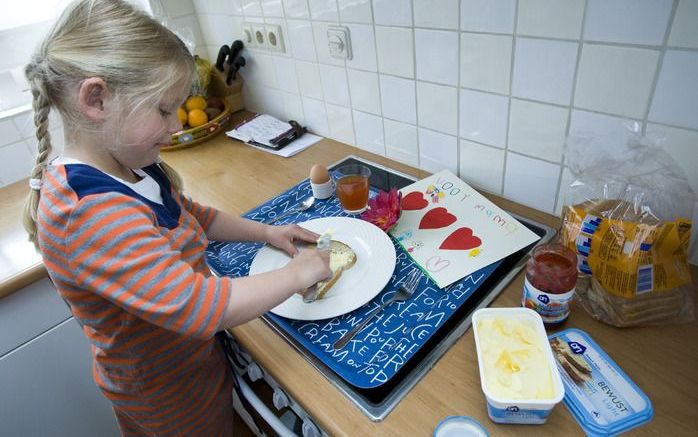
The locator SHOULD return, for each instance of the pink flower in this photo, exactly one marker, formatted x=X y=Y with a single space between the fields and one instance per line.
x=384 y=209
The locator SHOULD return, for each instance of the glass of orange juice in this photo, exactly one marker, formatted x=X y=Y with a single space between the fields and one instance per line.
x=351 y=187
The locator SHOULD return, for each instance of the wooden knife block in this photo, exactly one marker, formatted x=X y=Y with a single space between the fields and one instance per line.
x=231 y=93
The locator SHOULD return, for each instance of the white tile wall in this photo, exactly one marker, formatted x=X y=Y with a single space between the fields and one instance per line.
x=363 y=47
x=437 y=107
x=398 y=98
x=441 y=14
x=487 y=177
x=437 y=55
x=437 y=151
x=531 y=182
x=395 y=49
x=300 y=34
x=272 y=8
x=683 y=32
x=308 y=79
x=627 y=21
x=616 y=80
x=525 y=75
x=544 y=70
x=324 y=10
x=537 y=129
x=485 y=62
x=392 y=12
x=252 y=8
x=369 y=132
x=483 y=117
x=341 y=127
x=363 y=87
x=334 y=84
x=401 y=142
x=550 y=18
x=496 y=16
x=356 y=11
x=676 y=96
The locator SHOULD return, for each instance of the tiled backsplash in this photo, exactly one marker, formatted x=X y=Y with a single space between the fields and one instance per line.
x=487 y=88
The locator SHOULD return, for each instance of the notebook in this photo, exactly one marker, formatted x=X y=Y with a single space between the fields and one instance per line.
x=265 y=130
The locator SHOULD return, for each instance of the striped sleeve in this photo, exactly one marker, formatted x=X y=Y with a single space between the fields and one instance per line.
x=203 y=214
x=116 y=251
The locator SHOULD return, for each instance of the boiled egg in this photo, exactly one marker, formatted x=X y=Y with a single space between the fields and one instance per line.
x=319 y=174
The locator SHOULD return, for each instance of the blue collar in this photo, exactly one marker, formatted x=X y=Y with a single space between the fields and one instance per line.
x=86 y=180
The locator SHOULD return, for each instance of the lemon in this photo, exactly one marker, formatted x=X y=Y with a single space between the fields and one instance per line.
x=197 y=117
x=195 y=102
x=182 y=115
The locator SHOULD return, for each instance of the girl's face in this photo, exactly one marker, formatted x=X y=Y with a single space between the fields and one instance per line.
x=144 y=131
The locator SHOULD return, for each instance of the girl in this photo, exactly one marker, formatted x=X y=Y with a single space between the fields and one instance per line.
x=122 y=244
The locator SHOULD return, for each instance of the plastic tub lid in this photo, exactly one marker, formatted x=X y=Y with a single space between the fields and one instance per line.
x=600 y=396
x=460 y=426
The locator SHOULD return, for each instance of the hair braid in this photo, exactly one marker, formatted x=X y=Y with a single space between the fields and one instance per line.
x=41 y=105
x=112 y=40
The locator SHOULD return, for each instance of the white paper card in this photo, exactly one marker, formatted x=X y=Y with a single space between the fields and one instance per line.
x=451 y=230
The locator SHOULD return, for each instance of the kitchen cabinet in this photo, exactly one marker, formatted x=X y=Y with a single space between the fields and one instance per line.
x=46 y=386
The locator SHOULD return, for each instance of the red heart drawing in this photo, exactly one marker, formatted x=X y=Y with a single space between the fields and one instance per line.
x=413 y=201
x=436 y=218
x=461 y=239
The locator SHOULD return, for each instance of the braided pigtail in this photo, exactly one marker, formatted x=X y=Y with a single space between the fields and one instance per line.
x=42 y=106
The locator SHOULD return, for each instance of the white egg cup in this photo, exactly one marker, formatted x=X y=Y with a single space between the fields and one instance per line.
x=323 y=190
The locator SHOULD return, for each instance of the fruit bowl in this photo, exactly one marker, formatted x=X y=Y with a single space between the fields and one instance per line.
x=196 y=135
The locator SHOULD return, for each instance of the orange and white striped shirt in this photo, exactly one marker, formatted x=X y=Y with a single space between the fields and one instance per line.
x=134 y=274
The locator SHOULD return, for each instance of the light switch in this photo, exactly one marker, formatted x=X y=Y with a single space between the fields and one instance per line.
x=338 y=42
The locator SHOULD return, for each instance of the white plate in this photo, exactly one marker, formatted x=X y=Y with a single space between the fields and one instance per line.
x=375 y=262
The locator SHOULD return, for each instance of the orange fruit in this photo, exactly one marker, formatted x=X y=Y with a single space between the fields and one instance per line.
x=182 y=115
x=197 y=117
x=195 y=102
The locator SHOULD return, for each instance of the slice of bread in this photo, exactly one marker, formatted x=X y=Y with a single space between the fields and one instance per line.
x=342 y=258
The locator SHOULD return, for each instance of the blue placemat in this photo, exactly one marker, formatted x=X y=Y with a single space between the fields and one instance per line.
x=392 y=338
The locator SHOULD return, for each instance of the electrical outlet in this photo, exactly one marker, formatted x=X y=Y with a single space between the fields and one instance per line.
x=274 y=38
x=259 y=34
x=248 y=35
x=339 y=42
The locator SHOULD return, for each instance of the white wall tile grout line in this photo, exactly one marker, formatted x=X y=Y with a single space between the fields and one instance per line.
x=416 y=102
x=658 y=67
x=509 y=97
x=458 y=81
x=580 y=47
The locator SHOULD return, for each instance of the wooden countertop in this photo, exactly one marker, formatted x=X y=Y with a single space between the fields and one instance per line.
x=231 y=176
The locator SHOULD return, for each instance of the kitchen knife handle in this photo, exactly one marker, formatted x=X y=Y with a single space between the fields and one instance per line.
x=222 y=53
x=239 y=62
x=235 y=49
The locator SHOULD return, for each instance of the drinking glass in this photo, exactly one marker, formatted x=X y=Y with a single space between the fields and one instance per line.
x=351 y=187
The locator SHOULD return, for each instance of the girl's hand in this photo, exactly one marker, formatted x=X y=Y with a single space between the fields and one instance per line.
x=310 y=266
x=284 y=236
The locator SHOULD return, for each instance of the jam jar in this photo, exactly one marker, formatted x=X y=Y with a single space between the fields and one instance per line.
x=551 y=276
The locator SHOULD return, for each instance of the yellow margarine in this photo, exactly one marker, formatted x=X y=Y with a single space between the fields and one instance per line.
x=514 y=360
x=339 y=258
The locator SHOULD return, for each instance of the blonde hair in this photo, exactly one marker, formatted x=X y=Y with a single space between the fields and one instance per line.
x=138 y=58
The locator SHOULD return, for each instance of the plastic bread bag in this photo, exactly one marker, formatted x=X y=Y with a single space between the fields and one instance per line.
x=627 y=217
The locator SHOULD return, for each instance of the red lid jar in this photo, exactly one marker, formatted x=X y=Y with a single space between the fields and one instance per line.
x=551 y=276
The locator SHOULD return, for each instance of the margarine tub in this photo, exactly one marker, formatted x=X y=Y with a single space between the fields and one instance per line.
x=518 y=373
